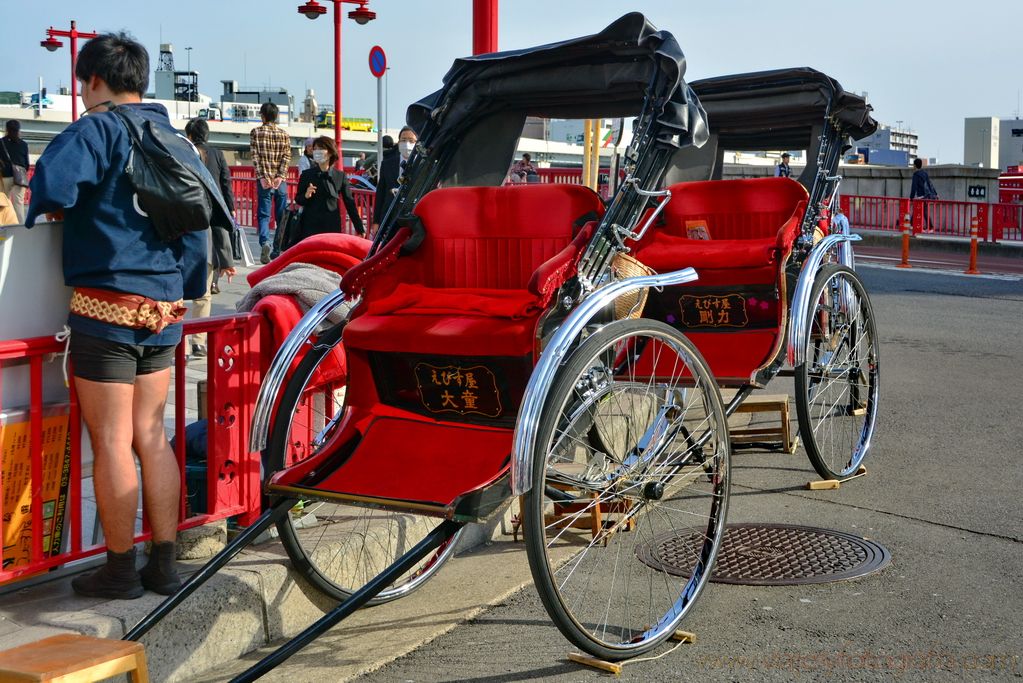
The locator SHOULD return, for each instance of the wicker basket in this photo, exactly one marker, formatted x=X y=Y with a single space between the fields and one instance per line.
x=629 y=305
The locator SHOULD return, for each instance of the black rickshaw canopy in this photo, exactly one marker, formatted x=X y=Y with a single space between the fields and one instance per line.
x=612 y=73
x=778 y=109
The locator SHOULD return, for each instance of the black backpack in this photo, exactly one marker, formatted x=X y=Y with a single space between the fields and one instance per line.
x=174 y=188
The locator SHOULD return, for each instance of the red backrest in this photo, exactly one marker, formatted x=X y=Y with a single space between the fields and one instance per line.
x=750 y=208
x=495 y=237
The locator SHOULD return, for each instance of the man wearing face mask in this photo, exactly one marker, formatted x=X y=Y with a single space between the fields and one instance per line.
x=319 y=190
x=391 y=169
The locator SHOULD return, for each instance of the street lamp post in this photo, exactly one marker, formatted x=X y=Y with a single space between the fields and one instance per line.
x=188 y=60
x=52 y=44
x=362 y=15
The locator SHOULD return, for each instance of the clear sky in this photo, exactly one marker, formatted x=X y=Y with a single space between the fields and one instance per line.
x=926 y=63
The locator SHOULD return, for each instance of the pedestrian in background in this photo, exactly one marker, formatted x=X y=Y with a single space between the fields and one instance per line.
x=305 y=160
x=392 y=167
x=783 y=170
x=126 y=311
x=522 y=169
x=219 y=247
x=319 y=189
x=360 y=161
x=271 y=155
x=14 y=152
x=921 y=187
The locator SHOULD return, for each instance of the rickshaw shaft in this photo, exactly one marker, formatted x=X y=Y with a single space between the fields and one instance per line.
x=444 y=531
x=276 y=511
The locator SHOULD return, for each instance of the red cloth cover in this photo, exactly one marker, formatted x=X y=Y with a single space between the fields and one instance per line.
x=333 y=251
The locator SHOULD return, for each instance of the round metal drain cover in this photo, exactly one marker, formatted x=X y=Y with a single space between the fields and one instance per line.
x=771 y=555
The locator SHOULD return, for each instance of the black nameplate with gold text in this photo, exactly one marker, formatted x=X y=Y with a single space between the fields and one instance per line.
x=727 y=310
x=458 y=389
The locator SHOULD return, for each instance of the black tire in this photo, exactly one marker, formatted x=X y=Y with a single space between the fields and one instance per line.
x=338 y=548
x=837 y=385
x=599 y=592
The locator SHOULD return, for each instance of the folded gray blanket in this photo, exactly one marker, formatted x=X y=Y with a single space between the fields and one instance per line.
x=303 y=281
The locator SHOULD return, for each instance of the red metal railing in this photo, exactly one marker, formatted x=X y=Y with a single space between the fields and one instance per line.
x=996 y=222
x=232 y=472
x=243 y=186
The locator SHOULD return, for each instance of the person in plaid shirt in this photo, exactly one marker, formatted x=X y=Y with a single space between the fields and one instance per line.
x=271 y=154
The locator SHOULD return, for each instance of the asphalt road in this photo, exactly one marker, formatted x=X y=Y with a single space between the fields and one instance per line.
x=942 y=493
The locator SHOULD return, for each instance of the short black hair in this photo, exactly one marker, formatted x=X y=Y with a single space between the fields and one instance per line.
x=13 y=127
x=269 y=112
x=198 y=131
x=387 y=142
x=410 y=129
x=526 y=156
x=118 y=60
x=918 y=162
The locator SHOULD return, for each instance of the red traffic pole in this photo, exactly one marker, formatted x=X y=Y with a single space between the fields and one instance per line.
x=972 y=269
x=907 y=232
x=484 y=26
x=74 y=78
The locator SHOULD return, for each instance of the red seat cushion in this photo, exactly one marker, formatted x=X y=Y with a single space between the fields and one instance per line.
x=669 y=252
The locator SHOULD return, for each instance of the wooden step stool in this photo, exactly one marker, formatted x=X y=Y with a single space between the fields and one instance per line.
x=73 y=658
x=766 y=403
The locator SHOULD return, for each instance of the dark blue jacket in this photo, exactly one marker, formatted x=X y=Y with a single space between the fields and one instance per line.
x=922 y=188
x=109 y=243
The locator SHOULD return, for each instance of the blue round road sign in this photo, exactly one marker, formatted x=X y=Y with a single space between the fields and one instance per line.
x=377 y=61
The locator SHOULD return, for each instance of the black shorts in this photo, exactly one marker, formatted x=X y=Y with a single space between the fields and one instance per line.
x=102 y=360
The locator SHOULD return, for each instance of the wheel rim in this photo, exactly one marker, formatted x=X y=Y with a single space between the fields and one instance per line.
x=654 y=455
x=339 y=547
x=840 y=376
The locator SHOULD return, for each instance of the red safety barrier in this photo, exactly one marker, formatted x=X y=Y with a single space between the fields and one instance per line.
x=243 y=186
x=51 y=436
x=939 y=217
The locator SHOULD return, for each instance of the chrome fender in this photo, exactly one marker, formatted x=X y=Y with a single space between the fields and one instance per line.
x=798 y=313
x=540 y=381
x=274 y=377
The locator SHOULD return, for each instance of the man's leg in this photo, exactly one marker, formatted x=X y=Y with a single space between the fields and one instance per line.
x=107 y=410
x=281 y=201
x=161 y=477
x=264 y=205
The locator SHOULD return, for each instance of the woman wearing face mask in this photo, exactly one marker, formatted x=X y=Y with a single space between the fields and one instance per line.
x=319 y=189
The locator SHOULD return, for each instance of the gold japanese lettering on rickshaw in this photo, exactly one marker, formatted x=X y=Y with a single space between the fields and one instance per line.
x=727 y=310
x=458 y=389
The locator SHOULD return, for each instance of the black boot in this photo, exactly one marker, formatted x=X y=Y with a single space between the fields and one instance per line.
x=159 y=574
x=117 y=579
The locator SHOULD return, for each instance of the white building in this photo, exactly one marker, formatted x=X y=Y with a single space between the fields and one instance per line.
x=980 y=142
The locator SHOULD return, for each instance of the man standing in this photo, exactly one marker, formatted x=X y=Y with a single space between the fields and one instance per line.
x=922 y=188
x=126 y=312
x=271 y=154
x=14 y=152
x=392 y=167
x=782 y=170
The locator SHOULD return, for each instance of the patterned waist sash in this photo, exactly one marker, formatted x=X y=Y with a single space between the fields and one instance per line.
x=126 y=310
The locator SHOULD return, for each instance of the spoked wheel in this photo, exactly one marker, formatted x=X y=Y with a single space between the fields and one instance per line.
x=837 y=384
x=338 y=548
x=628 y=460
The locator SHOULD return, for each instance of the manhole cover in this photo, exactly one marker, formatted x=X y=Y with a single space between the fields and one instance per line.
x=771 y=555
